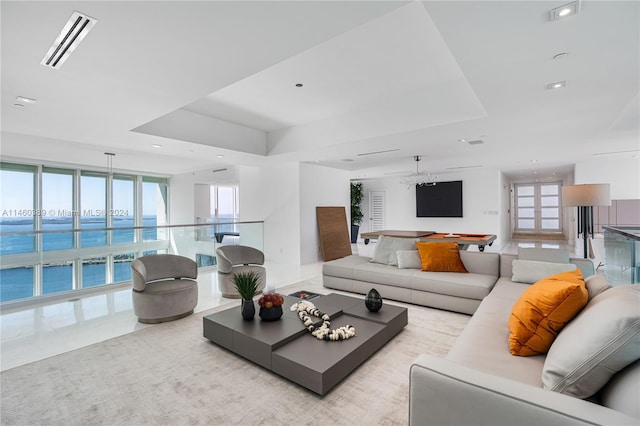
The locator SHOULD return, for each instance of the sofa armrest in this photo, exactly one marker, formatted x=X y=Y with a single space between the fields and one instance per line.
x=442 y=392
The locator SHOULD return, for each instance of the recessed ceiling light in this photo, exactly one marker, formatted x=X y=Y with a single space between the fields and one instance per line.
x=23 y=100
x=155 y=145
x=533 y=161
x=299 y=85
x=462 y=140
x=557 y=85
x=564 y=11
x=219 y=156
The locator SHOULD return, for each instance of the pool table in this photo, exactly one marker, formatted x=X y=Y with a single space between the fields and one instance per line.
x=389 y=233
x=463 y=240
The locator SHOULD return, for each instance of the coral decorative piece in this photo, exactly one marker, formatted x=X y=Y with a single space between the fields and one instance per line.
x=307 y=309
x=271 y=300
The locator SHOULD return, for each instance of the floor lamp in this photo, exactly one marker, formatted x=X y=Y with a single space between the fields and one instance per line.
x=584 y=197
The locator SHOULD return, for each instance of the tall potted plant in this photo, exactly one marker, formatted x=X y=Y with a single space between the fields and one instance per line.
x=247 y=285
x=356 y=212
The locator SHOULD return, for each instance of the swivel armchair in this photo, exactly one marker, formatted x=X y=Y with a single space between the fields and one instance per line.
x=164 y=287
x=234 y=259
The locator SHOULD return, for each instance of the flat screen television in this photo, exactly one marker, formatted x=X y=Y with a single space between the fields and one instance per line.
x=441 y=199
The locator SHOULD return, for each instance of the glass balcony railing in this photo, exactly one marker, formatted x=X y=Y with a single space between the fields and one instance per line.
x=622 y=254
x=49 y=262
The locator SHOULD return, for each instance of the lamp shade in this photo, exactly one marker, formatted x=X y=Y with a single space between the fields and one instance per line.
x=586 y=195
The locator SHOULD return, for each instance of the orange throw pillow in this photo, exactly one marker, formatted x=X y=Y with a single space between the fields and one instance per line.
x=440 y=257
x=543 y=310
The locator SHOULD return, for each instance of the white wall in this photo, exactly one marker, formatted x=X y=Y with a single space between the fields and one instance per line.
x=272 y=194
x=622 y=174
x=319 y=186
x=283 y=196
x=505 y=210
x=481 y=204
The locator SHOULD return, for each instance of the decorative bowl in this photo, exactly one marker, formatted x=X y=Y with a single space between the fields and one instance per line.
x=271 y=314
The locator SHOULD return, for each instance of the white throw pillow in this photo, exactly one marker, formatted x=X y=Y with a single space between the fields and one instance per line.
x=531 y=271
x=600 y=341
x=596 y=284
x=543 y=254
x=409 y=259
x=386 y=249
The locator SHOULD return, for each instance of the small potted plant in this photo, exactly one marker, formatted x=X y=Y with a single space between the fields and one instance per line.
x=271 y=306
x=247 y=284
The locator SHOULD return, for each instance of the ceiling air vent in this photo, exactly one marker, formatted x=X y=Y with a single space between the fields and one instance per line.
x=69 y=38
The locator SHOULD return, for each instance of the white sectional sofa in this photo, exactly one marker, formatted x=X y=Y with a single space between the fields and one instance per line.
x=402 y=279
x=480 y=382
x=443 y=290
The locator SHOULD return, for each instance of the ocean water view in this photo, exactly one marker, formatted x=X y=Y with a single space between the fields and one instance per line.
x=17 y=283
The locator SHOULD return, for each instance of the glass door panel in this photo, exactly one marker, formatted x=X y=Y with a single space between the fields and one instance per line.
x=537 y=207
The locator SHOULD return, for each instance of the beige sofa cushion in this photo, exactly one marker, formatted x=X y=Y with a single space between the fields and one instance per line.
x=596 y=284
x=386 y=248
x=531 y=271
x=484 y=342
x=543 y=254
x=408 y=259
x=602 y=340
x=622 y=392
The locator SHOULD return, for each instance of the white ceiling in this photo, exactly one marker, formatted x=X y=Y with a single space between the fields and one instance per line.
x=210 y=78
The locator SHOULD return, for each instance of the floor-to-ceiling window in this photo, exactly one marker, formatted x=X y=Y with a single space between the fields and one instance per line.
x=59 y=214
x=123 y=216
x=58 y=206
x=93 y=208
x=18 y=213
x=154 y=205
x=122 y=210
x=225 y=207
x=42 y=208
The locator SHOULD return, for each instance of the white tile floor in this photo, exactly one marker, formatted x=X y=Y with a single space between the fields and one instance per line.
x=46 y=330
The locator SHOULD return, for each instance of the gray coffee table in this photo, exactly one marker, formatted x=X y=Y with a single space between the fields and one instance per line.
x=288 y=349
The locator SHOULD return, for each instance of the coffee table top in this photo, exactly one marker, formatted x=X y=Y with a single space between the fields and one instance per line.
x=287 y=348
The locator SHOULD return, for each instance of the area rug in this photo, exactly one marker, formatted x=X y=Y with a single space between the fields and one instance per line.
x=169 y=374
